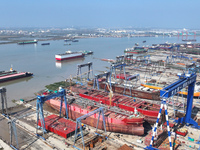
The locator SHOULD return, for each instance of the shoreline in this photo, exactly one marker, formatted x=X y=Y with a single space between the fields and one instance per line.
x=48 y=39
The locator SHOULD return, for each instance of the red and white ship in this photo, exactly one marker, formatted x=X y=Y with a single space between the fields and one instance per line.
x=69 y=55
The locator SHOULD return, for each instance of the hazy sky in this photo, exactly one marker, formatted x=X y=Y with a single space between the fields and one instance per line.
x=100 y=13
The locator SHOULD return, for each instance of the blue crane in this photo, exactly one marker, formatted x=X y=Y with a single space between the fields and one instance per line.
x=169 y=91
x=118 y=65
x=39 y=106
x=78 y=122
x=89 y=65
x=96 y=77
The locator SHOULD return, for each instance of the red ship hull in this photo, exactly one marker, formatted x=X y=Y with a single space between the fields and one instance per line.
x=59 y=59
x=114 y=122
x=149 y=110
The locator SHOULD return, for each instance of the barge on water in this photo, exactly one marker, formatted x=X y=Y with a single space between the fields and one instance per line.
x=45 y=44
x=27 y=42
x=13 y=74
x=68 y=55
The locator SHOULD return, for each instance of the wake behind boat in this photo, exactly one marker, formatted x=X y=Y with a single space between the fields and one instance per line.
x=68 y=55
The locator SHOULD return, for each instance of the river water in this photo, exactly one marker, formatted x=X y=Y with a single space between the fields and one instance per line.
x=40 y=60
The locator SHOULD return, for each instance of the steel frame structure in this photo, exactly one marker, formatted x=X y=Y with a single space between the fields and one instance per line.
x=96 y=77
x=89 y=64
x=121 y=66
x=4 y=101
x=39 y=106
x=79 y=123
x=13 y=129
x=169 y=91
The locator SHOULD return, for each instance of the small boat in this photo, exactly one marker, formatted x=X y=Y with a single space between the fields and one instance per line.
x=87 y=52
x=67 y=40
x=45 y=44
x=13 y=74
x=69 y=55
x=143 y=41
x=67 y=44
x=108 y=60
x=136 y=44
x=116 y=120
x=27 y=42
x=74 y=40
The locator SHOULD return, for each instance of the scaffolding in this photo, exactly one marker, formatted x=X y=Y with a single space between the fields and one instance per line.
x=79 y=123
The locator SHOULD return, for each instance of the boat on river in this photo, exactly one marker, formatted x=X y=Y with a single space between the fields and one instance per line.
x=87 y=52
x=68 y=55
x=116 y=119
x=45 y=44
x=13 y=74
x=27 y=42
x=148 y=109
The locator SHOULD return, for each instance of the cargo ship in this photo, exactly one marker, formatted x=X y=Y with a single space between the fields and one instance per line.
x=135 y=50
x=116 y=120
x=148 y=109
x=27 y=42
x=69 y=55
x=13 y=74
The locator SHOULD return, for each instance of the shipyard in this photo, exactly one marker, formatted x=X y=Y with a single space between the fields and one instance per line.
x=99 y=75
x=121 y=104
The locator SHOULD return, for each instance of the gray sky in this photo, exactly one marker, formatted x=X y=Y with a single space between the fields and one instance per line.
x=100 y=13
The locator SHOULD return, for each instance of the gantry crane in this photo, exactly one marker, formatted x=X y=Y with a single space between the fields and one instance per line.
x=89 y=65
x=96 y=77
x=39 y=106
x=169 y=91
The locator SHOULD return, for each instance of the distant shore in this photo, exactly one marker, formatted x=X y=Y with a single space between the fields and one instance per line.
x=47 y=39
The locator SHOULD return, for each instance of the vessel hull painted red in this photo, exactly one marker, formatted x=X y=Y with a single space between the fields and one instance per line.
x=114 y=122
x=149 y=110
x=60 y=59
